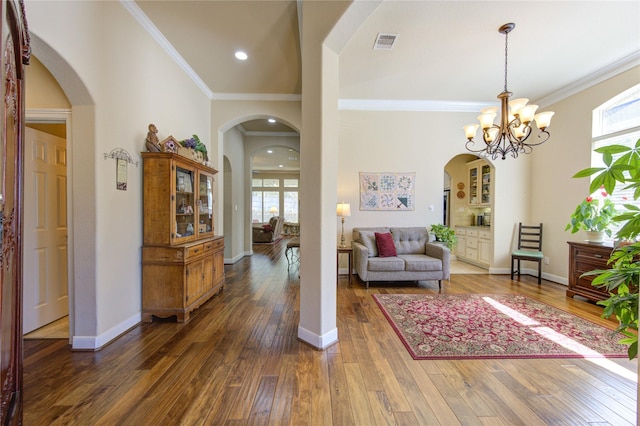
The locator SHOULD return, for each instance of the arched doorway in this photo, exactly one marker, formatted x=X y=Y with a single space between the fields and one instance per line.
x=245 y=140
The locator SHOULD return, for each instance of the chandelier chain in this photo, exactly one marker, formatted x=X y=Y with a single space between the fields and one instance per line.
x=506 y=51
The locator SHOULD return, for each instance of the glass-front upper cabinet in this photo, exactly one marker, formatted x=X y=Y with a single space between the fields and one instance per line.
x=178 y=199
x=204 y=204
x=485 y=197
x=480 y=183
x=185 y=203
x=473 y=185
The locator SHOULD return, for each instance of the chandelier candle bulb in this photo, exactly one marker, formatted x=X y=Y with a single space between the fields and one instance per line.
x=527 y=112
x=470 y=130
x=517 y=104
x=486 y=120
x=543 y=119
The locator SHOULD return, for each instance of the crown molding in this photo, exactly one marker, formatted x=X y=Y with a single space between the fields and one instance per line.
x=411 y=105
x=155 y=33
x=599 y=76
x=256 y=97
x=273 y=134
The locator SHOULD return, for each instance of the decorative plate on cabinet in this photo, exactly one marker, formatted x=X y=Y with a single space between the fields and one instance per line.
x=460 y=185
x=460 y=194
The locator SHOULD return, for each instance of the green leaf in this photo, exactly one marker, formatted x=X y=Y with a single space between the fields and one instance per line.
x=588 y=172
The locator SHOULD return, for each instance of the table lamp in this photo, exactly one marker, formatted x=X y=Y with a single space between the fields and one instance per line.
x=343 y=210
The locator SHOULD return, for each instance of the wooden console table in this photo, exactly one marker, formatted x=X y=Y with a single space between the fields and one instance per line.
x=585 y=257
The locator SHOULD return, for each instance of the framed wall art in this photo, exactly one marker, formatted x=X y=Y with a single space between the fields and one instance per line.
x=387 y=191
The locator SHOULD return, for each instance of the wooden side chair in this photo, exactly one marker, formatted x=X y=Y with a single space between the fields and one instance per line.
x=529 y=248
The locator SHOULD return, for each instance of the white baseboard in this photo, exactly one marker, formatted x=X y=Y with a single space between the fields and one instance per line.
x=534 y=272
x=237 y=258
x=95 y=343
x=318 y=342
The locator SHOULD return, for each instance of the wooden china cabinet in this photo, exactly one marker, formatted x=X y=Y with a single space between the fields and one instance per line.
x=15 y=55
x=182 y=258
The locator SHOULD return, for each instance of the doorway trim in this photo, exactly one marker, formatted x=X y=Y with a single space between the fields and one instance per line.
x=62 y=115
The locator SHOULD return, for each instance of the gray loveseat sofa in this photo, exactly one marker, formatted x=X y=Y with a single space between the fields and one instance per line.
x=417 y=258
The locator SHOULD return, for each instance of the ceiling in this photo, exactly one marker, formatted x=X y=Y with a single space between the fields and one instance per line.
x=446 y=52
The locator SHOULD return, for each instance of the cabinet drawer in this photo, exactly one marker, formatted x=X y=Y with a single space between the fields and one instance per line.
x=484 y=234
x=218 y=243
x=472 y=243
x=461 y=231
x=471 y=254
x=195 y=250
x=597 y=259
x=472 y=232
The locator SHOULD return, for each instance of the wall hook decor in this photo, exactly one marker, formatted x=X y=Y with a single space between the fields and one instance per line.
x=121 y=154
x=122 y=158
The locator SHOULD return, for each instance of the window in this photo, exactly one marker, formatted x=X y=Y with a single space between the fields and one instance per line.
x=617 y=122
x=273 y=196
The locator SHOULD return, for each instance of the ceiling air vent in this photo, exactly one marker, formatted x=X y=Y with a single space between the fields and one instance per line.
x=385 y=41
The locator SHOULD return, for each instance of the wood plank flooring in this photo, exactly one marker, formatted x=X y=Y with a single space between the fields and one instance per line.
x=238 y=362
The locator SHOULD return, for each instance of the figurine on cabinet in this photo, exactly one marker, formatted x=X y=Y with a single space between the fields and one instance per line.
x=152 y=139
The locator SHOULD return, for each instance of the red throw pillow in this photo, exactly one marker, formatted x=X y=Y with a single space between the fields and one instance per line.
x=267 y=228
x=386 y=248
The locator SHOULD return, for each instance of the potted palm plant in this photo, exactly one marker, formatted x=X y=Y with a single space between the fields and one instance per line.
x=622 y=280
x=445 y=235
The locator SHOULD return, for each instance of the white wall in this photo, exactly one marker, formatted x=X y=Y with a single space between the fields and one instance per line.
x=118 y=80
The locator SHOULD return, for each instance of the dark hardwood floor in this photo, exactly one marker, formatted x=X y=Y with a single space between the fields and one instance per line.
x=238 y=361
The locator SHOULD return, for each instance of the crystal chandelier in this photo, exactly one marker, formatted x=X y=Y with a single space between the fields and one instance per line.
x=516 y=119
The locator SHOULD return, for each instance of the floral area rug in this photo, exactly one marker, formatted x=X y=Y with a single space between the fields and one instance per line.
x=476 y=326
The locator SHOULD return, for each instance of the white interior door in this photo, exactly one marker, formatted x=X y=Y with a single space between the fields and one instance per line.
x=45 y=229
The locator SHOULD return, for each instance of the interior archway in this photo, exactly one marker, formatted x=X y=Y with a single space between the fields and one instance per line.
x=82 y=248
x=245 y=139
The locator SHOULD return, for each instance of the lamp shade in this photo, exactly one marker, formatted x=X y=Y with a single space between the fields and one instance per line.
x=273 y=210
x=343 y=209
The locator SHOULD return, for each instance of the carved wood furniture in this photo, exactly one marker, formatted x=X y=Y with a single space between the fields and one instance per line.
x=585 y=257
x=15 y=55
x=182 y=259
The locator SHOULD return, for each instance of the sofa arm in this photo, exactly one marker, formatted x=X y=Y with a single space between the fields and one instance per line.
x=440 y=251
x=360 y=259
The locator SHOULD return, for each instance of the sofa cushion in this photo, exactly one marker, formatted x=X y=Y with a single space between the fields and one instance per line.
x=410 y=240
x=385 y=264
x=267 y=227
x=419 y=262
x=368 y=238
x=384 y=242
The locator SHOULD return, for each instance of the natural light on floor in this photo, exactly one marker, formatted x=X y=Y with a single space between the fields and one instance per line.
x=562 y=340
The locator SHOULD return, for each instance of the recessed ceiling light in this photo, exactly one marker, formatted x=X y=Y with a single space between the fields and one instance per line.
x=271 y=120
x=241 y=55
x=269 y=151
x=280 y=165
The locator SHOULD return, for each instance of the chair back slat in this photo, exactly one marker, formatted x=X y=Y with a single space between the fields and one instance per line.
x=530 y=237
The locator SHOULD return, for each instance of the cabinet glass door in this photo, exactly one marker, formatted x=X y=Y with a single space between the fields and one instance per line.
x=205 y=204
x=486 y=184
x=473 y=185
x=185 y=203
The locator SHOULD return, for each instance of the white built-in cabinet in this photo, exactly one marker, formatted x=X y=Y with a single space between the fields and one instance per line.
x=474 y=245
